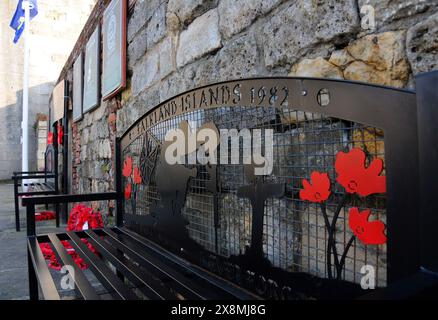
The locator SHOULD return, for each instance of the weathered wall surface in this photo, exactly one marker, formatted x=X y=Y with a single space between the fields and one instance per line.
x=53 y=34
x=176 y=45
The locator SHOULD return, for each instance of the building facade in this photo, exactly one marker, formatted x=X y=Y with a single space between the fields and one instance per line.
x=53 y=32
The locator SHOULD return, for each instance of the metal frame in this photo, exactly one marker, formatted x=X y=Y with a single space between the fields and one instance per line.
x=44 y=188
x=427 y=100
x=393 y=110
x=181 y=278
x=65 y=163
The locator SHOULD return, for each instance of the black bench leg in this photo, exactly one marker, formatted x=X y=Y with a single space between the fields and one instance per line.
x=33 y=282
x=57 y=214
x=17 y=207
x=65 y=213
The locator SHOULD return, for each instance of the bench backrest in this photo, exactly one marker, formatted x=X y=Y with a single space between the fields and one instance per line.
x=265 y=232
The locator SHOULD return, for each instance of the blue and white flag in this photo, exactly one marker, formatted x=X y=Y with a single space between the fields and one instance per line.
x=17 y=22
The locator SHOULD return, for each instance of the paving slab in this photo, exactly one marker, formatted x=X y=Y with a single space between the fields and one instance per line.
x=13 y=256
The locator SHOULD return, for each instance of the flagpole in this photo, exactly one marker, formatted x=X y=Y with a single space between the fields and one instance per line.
x=25 y=122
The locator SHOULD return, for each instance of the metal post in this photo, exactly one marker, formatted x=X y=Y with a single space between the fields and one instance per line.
x=118 y=175
x=25 y=120
x=17 y=205
x=33 y=282
x=30 y=217
x=55 y=158
x=65 y=152
x=55 y=164
x=427 y=103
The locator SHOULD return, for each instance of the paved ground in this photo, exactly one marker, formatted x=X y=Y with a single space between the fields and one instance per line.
x=13 y=257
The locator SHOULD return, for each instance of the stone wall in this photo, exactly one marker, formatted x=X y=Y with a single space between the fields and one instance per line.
x=176 y=45
x=53 y=32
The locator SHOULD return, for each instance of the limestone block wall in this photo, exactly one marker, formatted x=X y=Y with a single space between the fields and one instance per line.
x=175 y=45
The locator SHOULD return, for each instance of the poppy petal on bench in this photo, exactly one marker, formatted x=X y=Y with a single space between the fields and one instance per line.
x=37 y=183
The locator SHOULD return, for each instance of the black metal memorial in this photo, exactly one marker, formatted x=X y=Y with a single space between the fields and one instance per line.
x=339 y=202
x=37 y=183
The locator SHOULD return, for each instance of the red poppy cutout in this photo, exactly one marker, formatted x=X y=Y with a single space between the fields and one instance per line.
x=128 y=190
x=137 y=176
x=355 y=177
x=318 y=190
x=60 y=134
x=45 y=215
x=369 y=232
x=50 y=138
x=127 y=167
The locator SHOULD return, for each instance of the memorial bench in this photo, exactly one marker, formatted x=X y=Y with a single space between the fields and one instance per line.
x=157 y=273
x=199 y=230
x=36 y=183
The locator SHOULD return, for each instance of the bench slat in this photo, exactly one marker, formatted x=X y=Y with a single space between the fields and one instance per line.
x=36 y=187
x=171 y=279
x=82 y=285
x=33 y=176
x=36 y=193
x=221 y=288
x=149 y=286
x=113 y=284
x=225 y=285
x=157 y=273
x=162 y=267
x=39 y=187
x=48 y=186
x=42 y=272
x=42 y=186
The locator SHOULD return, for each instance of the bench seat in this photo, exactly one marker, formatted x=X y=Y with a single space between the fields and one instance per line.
x=40 y=187
x=124 y=255
x=38 y=183
x=33 y=183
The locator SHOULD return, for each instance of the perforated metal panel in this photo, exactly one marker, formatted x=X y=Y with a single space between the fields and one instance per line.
x=211 y=221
